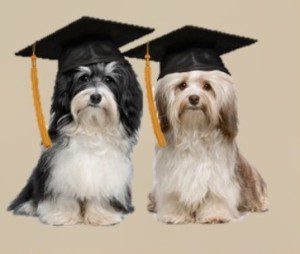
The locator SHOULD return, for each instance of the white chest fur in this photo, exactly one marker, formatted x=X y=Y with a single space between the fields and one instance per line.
x=197 y=167
x=91 y=167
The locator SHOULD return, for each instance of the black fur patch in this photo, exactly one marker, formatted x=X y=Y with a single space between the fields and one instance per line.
x=124 y=208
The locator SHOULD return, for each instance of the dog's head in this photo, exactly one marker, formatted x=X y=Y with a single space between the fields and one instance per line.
x=97 y=96
x=202 y=100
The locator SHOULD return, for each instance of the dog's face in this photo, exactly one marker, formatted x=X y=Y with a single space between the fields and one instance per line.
x=97 y=96
x=93 y=103
x=197 y=100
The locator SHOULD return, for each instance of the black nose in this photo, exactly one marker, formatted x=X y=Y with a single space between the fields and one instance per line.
x=95 y=98
x=194 y=99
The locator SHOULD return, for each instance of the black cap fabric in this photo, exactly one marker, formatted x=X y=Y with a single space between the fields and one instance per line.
x=190 y=48
x=86 y=41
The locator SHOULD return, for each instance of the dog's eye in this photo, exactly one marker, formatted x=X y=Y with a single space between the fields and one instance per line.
x=182 y=86
x=207 y=86
x=84 y=78
x=108 y=79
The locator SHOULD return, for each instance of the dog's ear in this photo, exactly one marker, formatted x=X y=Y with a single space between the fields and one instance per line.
x=130 y=101
x=228 y=120
x=60 y=102
x=61 y=96
x=161 y=104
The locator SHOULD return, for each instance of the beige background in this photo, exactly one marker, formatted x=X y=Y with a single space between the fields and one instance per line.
x=268 y=81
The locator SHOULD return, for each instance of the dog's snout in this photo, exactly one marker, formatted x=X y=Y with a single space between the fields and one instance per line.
x=194 y=99
x=95 y=98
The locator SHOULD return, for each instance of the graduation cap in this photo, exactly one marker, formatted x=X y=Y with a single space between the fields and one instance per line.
x=83 y=42
x=186 y=49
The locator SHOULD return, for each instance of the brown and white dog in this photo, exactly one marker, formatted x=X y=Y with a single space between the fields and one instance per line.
x=201 y=176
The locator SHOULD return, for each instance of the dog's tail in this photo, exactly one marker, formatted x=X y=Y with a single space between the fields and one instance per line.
x=22 y=204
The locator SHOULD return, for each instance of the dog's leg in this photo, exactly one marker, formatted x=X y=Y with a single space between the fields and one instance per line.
x=215 y=209
x=99 y=213
x=253 y=187
x=59 y=211
x=212 y=211
x=171 y=211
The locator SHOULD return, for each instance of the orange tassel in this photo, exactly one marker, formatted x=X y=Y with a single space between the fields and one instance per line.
x=46 y=141
x=151 y=104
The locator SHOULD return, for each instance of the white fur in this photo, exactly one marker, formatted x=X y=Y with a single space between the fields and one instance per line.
x=91 y=166
x=207 y=166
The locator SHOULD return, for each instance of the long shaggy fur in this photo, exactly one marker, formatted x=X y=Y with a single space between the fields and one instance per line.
x=201 y=176
x=86 y=174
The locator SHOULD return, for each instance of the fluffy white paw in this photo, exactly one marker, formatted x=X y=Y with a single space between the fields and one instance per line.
x=216 y=212
x=175 y=219
x=98 y=219
x=213 y=220
x=60 y=219
x=59 y=212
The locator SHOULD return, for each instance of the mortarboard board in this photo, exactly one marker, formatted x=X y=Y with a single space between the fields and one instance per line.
x=84 y=41
x=185 y=49
x=190 y=48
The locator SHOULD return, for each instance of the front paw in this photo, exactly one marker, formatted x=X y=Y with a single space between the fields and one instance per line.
x=175 y=218
x=213 y=220
x=99 y=219
x=60 y=219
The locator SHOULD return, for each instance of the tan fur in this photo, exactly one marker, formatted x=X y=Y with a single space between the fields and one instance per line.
x=162 y=112
x=228 y=121
x=152 y=204
x=253 y=187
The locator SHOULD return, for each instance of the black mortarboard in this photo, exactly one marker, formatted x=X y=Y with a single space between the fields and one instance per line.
x=190 y=48
x=86 y=41
x=83 y=42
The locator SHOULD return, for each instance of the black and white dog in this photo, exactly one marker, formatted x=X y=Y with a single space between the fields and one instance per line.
x=86 y=175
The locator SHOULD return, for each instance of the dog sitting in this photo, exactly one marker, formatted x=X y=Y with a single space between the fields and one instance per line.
x=201 y=176
x=86 y=175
